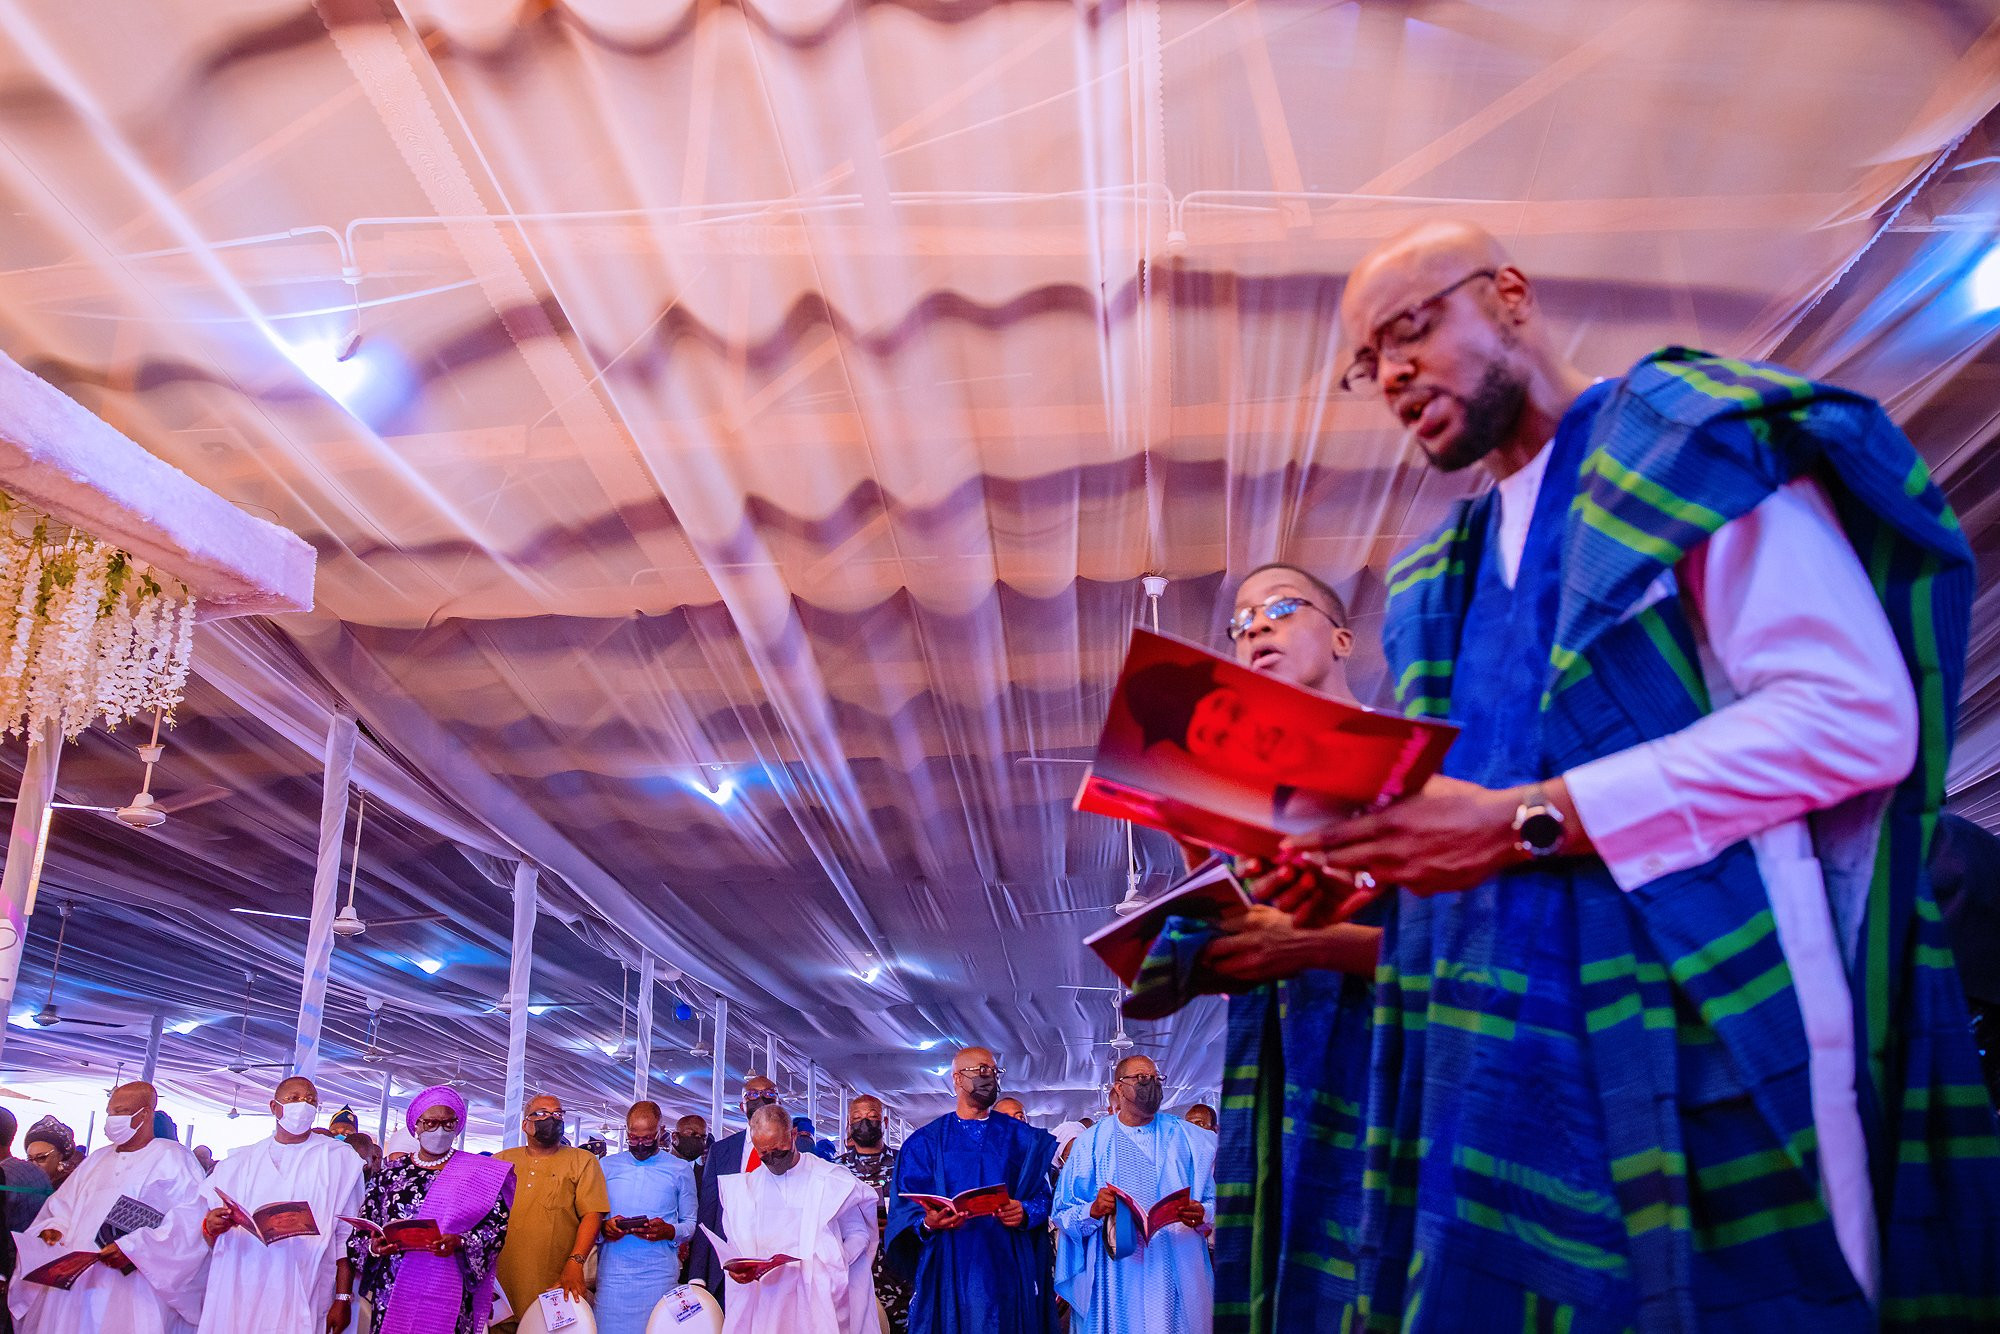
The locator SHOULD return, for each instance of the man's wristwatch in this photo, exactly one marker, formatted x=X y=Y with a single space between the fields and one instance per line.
x=1538 y=825
x=343 y=1296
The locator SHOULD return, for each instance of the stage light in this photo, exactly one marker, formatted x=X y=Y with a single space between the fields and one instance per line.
x=941 y=1070
x=1985 y=282
x=722 y=794
x=321 y=360
x=540 y=1009
x=432 y=966
x=870 y=975
x=928 y=1043
x=184 y=1027
x=680 y=1078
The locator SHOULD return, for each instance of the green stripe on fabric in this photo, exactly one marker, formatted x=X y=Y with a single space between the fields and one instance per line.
x=1725 y=947
x=1325 y=1264
x=1646 y=1162
x=1656 y=1216
x=1428 y=549
x=1766 y=1223
x=1650 y=491
x=1940 y=1306
x=1948 y=1148
x=1773 y=981
x=1579 y=1253
x=1427 y=706
x=1422 y=667
x=1522 y=1177
x=1443 y=565
x=1502 y=979
x=1655 y=626
x=1621 y=965
x=1950 y=1095
x=1472 y=1021
x=1626 y=534
x=1763 y=1163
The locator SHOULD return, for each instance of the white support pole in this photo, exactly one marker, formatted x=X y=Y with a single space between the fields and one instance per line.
x=340 y=739
x=812 y=1093
x=720 y=1068
x=27 y=844
x=771 y=1058
x=152 y=1063
x=519 y=969
x=642 y=1051
x=382 y=1122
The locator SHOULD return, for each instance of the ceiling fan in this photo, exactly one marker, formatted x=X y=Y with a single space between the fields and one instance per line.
x=347 y=923
x=1139 y=886
x=48 y=1016
x=145 y=811
x=700 y=1047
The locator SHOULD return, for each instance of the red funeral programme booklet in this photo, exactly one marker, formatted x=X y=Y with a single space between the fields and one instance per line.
x=273 y=1222
x=975 y=1203
x=63 y=1271
x=1216 y=754
x=1212 y=893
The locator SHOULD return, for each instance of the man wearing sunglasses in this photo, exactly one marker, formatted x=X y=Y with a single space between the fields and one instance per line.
x=560 y=1200
x=1653 y=1048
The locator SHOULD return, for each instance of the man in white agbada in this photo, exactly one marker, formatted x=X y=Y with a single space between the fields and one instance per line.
x=298 y=1285
x=150 y=1280
x=1166 y=1283
x=800 y=1205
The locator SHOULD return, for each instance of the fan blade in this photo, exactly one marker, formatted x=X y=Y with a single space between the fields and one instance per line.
x=407 y=918
x=193 y=797
x=1059 y=912
x=1046 y=759
x=62 y=805
x=94 y=1023
x=259 y=912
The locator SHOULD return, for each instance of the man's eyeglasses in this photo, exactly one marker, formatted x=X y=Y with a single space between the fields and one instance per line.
x=1137 y=1081
x=1276 y=608
x=434 y=1123
x=556 y=1115
x=1404 y=330
x=981 y=1071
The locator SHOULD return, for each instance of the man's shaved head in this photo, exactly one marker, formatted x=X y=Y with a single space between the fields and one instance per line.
x=771 y=1130
x=137 y=1096
x=971 y=1056
x=1011 y=1107
x=1452 y=332
x=759 y=1084
x=1135 y=1064
x=865 y=1105
x=691 y=1125
x=1201 y=1114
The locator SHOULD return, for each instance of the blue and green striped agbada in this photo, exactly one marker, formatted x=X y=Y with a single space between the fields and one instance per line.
x=1634 y=1145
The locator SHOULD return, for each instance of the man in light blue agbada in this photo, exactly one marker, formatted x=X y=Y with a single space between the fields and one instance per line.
x=1162 y=1283
x=653 y=1203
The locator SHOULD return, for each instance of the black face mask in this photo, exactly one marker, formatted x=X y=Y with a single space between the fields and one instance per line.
x=1146 y=1098
x=547 y=1133
x=780 y=1162
x=690 y=1147
x=643 y=1149
x=866 y=1133
x=751 y=1102
x=983 y=1091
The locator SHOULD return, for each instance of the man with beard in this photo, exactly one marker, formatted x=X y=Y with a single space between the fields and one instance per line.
x=872 y=1160
x=559 y=1204
x=974 y=1275
x=1652 y=1049
x=1163 y=1282
x=726 y=1157
x=652 y=1205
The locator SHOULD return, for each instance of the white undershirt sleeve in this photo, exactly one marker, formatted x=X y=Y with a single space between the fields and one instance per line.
x=1822 y=711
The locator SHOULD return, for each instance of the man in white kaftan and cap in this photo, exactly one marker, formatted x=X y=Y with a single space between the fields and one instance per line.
x=147 y=1281
x=290 y=1285
x=799 y=1205
x=1147 y=1285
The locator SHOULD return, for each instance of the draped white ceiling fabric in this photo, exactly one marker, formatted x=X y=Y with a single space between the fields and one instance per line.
x=762 y=415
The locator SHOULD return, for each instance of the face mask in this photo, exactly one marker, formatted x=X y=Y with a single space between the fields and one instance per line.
x=642 y=1149
x=121 y=1129
x=297 y=1117
x=1146 y=1098
x=983 y=1091
x=867 y=1133
x=691 y=1147
x=752 y=1101
x=437 y=1143
x=546 y=1133
x=780 y=1162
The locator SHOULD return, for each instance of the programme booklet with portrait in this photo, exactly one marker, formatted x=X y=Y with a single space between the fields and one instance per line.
x=1227 y=758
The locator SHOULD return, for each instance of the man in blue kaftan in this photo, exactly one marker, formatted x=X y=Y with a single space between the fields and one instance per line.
x=974 y=1275
x=1667 y=1034
x=653 y=1207
x=1133 y=1160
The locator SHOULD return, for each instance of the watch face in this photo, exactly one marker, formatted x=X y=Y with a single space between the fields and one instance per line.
x=1541 y=832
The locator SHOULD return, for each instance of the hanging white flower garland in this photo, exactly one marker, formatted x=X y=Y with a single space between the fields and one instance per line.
x=95 y=632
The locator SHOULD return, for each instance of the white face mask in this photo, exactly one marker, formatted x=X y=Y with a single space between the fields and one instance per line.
x=120 y=1129
x=437 y=1143
x=297 y=1117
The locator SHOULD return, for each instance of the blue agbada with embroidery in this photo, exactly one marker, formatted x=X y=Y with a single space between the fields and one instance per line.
x=1589 y=1108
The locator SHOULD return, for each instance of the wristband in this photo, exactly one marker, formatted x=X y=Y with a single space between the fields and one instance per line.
x=343 y=1296
x=578 y=1259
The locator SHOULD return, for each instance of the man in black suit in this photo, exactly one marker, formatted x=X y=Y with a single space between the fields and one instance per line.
x=689 y=1143
x=727 y=1156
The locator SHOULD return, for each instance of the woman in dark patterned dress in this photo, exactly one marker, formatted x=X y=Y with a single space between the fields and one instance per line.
x=446 y=1288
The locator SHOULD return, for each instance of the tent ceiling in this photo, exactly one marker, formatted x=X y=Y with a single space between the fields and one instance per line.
x=786 y=399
